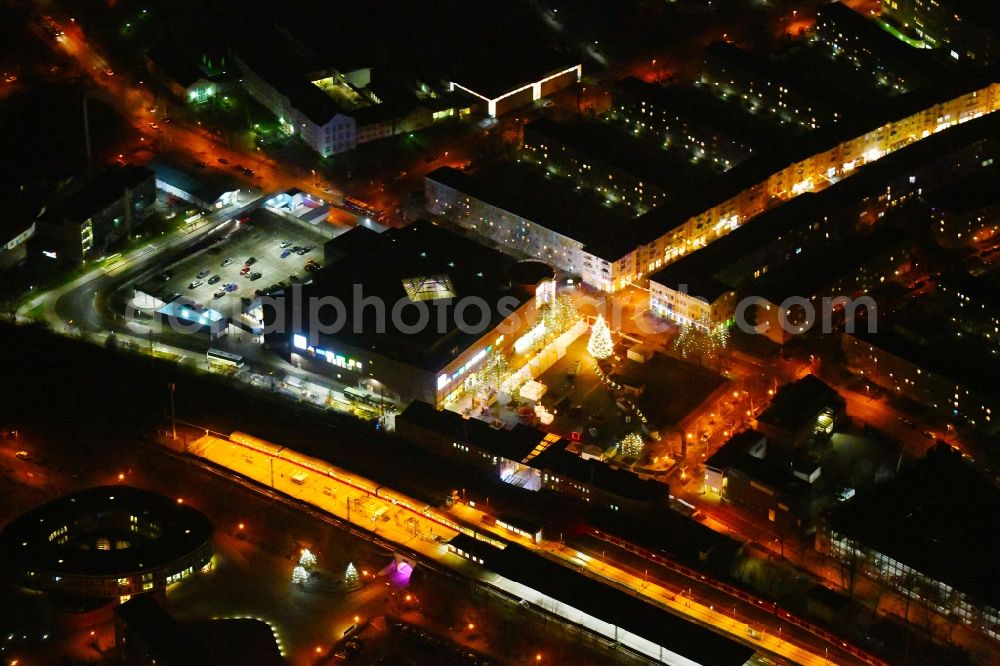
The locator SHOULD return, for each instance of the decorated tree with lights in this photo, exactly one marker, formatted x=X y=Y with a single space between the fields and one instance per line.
x=631 y=445
x=702 y=340
x=599 y=345
x=307 y=560
x=300 y=575
x=495 y=370
x=559 y=315
x=351 y=575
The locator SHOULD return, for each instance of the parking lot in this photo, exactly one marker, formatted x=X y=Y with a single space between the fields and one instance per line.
x=258 y=252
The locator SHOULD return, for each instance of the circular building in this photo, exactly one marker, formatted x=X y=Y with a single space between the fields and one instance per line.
x=110 y=541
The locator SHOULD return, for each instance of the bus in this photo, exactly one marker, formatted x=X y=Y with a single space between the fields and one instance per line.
x=367 y=398
x=362 y=208
x=224 y=358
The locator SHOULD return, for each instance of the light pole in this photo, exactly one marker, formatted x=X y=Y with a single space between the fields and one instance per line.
x=173 y=415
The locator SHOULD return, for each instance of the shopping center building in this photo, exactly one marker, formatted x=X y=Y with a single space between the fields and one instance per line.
x=408 y=313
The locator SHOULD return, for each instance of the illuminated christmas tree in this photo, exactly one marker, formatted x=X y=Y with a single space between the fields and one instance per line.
x=559 y=315
x=701 y=340
x=299 y=575
x=495 y=370
x=351 y=575
x=631 y=445
x=307 y=560
x=599 y=345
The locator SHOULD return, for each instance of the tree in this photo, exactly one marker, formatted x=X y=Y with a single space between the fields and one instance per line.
x=559 y=315
x=631 y=445
x=351 y=575
x=300 y=575
x=307 y=560
x=702 y=340
x=599 y=345
x=495 y=370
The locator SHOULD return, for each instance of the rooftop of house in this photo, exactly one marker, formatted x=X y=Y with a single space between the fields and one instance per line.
x=797 y=404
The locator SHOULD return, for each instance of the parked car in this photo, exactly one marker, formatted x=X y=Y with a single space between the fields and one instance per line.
x=255 y=276
x=214 y=279
x=231 y=286
x=250 y=262
x=245 y=270
x=203 y=273
x=306 y=249
x=285 y=253
x=195 y=284
x=219 y=294
x=227 y=262
x=286 y=243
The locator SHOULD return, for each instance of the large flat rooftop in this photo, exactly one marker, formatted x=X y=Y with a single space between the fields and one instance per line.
x=668 y=169
x=939 y=516
x=698 y=644
x=419 y=263
x=526 y=192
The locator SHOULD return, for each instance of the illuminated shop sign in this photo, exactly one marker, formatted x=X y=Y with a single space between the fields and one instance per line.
x=445 y=379
x=333 y=358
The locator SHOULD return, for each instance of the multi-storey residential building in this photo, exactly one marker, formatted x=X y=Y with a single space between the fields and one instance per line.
x=732 y=71
x=529 y=216
x=951 y=374
x=967 y=28
x=690 y=299
x=873 y=50
x=87 y=219
x=598 y=157
x=974 y=303
x=693 y=119
x=967 y=212
x=906 y=533
x=801 y=294
x=766 y=180
x=663 y=235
